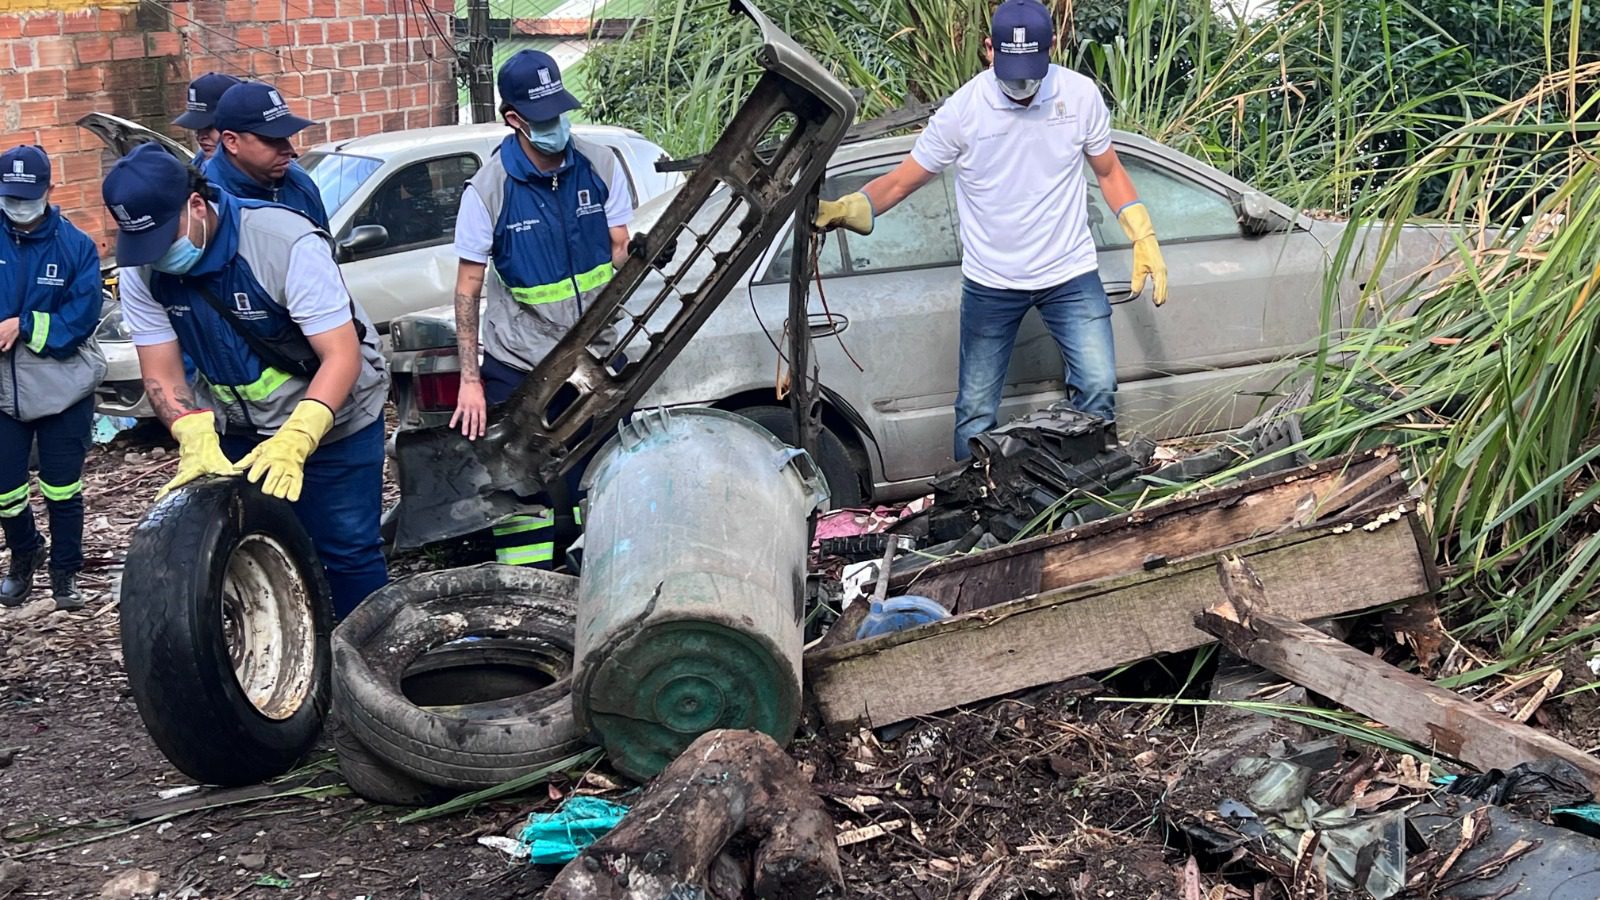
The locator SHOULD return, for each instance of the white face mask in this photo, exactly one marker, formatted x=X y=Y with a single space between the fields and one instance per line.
x=1020 y=89
x=23 y=211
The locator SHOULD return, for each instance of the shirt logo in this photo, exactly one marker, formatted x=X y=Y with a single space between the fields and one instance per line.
x=586 y=204
x=51 y=276
x=241 y=302
x=583 y=198
x=50 y=270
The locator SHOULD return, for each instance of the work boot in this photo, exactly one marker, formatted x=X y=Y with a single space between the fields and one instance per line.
x=64 y=588
x=19 y=579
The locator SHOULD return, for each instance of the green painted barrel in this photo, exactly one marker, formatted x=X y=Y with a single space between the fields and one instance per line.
x=693 y=585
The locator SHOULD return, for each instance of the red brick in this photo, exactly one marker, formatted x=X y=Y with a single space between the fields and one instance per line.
x=13 y=86
x=62 y=139
x=394 y=121
x=374 y=54
x=347 y=104
x=252 y=36
x=366 y=125
x=237 y=10
x=323 y=109
x=10 y=26
x=324 y=9
x=95 y=49
x=125 y=47
x=381 y=100
x=58 y=52
x=74 y=108
x=392 y=76
x=166 y=43
x=314 y=83
x=85 y=79
x=74 y=167
x=85 y=22
x=114 y=21
x=389 y=28
x=290 y=84
x=349 y=56
x=375 y=7
x=338 y=32
x=368 y=79
x=21 y=55
x=308 y=33
x=312 y=136
x=35 y=113
x=363 y=30
x=269 y=10
x=41 y=24
x=46 y=83
x=341 y=129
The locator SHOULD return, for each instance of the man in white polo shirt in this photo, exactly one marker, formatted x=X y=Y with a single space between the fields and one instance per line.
x=1017 y=135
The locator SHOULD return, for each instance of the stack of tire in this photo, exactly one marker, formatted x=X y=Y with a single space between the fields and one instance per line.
x=438 y=683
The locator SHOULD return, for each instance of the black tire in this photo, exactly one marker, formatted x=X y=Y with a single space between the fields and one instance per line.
x=459 y=745
x=374 y=780
x=176 y=590
x=838 y=466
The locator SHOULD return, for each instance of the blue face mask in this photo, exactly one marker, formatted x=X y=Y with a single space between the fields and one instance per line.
x=549 y=137
x=181 y=256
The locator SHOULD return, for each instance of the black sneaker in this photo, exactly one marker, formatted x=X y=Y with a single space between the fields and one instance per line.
x=19 y=580
x=64 y=588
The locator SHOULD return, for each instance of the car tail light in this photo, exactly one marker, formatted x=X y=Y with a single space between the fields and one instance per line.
x=437 y=391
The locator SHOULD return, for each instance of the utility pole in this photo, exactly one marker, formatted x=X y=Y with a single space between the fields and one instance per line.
x=480 y=61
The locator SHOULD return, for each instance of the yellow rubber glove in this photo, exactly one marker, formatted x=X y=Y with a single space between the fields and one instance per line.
x=852 y=211
x=281 y=459
x=1147 y=261
x=199 y=451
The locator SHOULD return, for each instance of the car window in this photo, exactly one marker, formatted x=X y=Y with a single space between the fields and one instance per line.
x=417 y=205
x=627 y=177
x=338 y=175
x=919 y=233
x=1180 y=209
x=829 y=262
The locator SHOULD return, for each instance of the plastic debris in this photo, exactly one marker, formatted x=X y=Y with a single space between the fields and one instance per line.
x=898 y=614
x=558 y=837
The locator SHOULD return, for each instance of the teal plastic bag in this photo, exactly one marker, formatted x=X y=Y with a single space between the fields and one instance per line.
x=558 y=837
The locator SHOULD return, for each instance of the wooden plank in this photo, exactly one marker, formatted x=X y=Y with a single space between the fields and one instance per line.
x=1159 y=535
x=1037 y=640
x=1413 y=707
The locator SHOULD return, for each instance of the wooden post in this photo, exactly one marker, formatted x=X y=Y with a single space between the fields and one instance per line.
x=1411 y=706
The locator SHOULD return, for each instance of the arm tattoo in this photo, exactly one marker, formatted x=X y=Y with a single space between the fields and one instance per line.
x=467 y=334
x=169 y=407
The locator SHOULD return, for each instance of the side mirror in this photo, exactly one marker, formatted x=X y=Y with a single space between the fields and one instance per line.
x=362 y=239
x=1258 y=215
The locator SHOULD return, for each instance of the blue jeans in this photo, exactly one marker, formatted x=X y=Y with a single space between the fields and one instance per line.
x=63 y=443
x=340 y=505
x=1078 y=315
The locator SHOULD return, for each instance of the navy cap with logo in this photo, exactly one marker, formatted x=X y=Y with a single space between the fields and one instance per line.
x=146 y=191
x=204 y=92
x=1022 y=38
x=24 y=172
x=531 y=82
x=255 y=107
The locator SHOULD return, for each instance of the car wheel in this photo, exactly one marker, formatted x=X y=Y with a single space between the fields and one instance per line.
x=226 y=617
x=461 y=678
x=838 y=468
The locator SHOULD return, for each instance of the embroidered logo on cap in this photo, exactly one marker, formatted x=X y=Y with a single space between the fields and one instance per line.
x=279 y=108
x=18 y=176
x=194 y=101
x=1019 y=42
x=129 y=223
x=548 y=84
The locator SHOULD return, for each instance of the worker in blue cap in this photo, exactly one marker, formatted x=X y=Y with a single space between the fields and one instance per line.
x=199 y=111
x=49 y=367
x=291 y=383
x=1016 y=137
x=549 y=212
x=256 y=160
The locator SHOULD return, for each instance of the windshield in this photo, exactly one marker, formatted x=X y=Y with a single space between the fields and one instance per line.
x=338 y=175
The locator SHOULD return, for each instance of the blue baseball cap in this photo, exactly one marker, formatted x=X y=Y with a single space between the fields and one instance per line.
x=201 y=107
x=24 y=172
x=1022 y=38
x=531 y=83
x=255 y=107
x=145 y=191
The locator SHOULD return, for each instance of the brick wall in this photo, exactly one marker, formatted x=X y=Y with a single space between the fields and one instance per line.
x=355 y=67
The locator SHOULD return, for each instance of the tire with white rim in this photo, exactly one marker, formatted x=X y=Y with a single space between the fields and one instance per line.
x=226 y=623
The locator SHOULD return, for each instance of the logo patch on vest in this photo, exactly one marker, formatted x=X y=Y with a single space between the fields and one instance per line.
x=241 y=305
x=51 y=277
x=586 y=206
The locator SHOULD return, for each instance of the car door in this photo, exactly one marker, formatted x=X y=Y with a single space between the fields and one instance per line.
x=416 y=267
x=895 y=296
x=1238 y=305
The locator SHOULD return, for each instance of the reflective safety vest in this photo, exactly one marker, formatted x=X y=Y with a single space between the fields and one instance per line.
x=552 y=247
x=296 y=191
x=245 y=268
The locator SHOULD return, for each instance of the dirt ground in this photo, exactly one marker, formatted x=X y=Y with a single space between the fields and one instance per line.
x=1058 y=793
